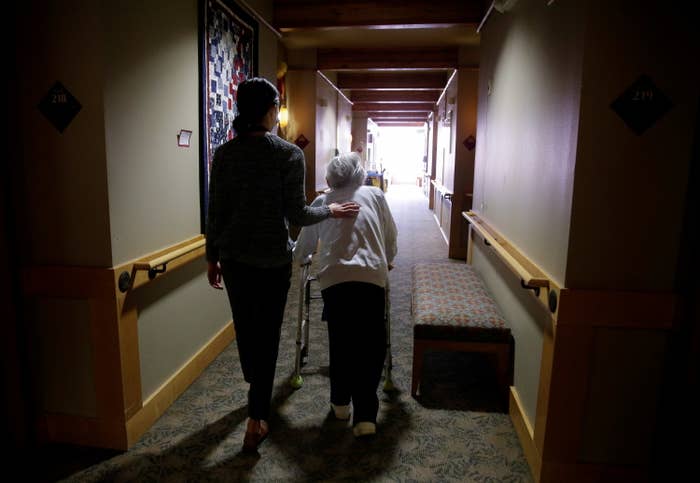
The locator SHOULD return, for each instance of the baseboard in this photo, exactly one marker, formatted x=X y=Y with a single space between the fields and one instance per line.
x=157 y=403
x=524 y=430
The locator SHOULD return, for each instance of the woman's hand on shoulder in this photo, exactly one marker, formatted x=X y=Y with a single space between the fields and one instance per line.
x=349 y=209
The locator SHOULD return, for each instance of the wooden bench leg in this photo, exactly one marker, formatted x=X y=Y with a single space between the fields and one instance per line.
x=504 y=373
x=418 y=349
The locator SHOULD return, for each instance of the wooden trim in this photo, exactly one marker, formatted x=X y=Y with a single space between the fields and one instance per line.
x=107 y=348
x=392 y=80
x=470 y=244
x=115 y=348
x=393 y=118
x=611 y=308
x=405 y=58
x=415 y=123
x=543 y=390
x=130 y=360
x=82 y=431
x=290 y=15
x=66 y=281
x=406 y=96
x=525 y=433
x=386 y=107
x=156 y=404
x=566 y=406
x=557 y=472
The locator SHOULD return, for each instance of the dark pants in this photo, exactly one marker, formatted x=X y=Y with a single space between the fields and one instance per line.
x=257 y=297
x=357 y=345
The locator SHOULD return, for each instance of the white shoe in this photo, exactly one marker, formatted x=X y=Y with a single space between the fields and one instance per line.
x=364 y=428
x=341 y=412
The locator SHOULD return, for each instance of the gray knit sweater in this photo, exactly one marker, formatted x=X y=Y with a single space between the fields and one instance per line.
x=256 y=189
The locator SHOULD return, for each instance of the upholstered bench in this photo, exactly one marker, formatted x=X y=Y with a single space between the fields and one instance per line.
x=452 y=311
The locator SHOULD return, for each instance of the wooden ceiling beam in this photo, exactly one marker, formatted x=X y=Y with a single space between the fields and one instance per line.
x=392 y=117
x=295 y=14
x=397 y=113
x=381 y=106
x=394 y=96
x=392 y=80
x=408 y=119
x=382 y=59
x=400 y=124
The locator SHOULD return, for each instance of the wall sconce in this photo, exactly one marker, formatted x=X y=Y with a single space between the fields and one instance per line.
x=283 y=116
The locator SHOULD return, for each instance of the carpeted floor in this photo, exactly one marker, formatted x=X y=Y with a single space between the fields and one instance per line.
x=449 y=434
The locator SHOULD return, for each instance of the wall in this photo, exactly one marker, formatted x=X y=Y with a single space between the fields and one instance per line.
x=467 y=83
x=344 y=133
x=529 y=91
x=448 y=113
x=268 y=42
x=149 y=95
x=326 y=128
x=468 y=87
x=62 y=203
x=359 y=135
x=114 y=186
x=301 y=89
x=564 y=180
x=624 y=181
x=65 y=217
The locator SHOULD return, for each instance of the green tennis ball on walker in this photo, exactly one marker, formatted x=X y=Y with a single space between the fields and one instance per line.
x=297 y=381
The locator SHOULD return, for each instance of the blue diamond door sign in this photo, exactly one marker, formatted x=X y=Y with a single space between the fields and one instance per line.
x=59 y=106
x=641 y=105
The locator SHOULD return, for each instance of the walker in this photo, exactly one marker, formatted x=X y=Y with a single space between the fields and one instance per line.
x=302 y=339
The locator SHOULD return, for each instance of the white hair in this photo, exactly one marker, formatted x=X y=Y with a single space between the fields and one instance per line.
x=345 y=170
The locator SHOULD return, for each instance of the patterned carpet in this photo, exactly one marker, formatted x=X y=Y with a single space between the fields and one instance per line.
x=450 y=434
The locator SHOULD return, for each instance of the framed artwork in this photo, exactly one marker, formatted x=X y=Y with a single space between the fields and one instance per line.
x=228 y=55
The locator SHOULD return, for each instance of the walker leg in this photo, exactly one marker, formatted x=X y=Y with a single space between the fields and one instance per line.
x=388 y=364
x=297 y=381
x=307 y=318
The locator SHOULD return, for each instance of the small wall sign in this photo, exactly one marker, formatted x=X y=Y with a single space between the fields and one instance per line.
x=301 y=141
x=183 y=138
x=470 y=143
x=641 y=105
x=59 y=106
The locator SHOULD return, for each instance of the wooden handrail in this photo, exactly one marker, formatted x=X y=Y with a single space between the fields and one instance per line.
x=164 y=259
x=440 y=188
x=530 y=276
x=130 y=275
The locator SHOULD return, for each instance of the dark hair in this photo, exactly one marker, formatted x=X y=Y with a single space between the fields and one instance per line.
x=254 y=98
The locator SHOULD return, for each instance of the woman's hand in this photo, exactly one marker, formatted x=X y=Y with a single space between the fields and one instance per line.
x=214 y=275
x=349 y=209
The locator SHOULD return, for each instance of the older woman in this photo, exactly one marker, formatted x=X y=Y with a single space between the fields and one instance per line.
x=354 y=258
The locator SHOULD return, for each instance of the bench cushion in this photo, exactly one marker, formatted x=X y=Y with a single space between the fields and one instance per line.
x=449 y=302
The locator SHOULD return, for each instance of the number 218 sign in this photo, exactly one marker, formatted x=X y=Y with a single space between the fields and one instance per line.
x=59 y=106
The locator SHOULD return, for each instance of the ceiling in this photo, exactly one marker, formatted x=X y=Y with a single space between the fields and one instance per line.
x=391 y=59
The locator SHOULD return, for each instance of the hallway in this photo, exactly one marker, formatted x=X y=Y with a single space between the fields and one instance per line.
x=437 y=439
